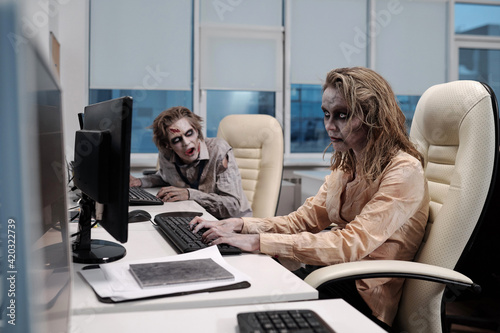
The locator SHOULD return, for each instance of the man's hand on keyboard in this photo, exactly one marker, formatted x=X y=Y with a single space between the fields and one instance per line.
x=134 y=182
x=172 y=193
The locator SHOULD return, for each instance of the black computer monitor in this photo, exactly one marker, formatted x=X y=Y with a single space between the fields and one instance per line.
x=101 y=172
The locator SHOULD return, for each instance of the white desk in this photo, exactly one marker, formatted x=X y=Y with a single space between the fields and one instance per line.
x=342 y=317
x=270 y=282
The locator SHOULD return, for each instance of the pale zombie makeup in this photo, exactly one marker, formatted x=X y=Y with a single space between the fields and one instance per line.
x=344 y=133
x=184 y=140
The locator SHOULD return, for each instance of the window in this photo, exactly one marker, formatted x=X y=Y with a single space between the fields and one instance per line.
x=321 y=35
x=474 y=19
x=477 y=43
x=408 y=104
x=481 y=65
x=411 y=64
x=223 y=102
x=145 y=52
x=240 y=72
x=376 y=38
x=271 y=57
x=307 y=133
x=147 y=105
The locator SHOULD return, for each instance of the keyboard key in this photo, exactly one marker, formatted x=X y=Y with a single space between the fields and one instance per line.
x=282 y=321
x=139 y=197
x=176 y=228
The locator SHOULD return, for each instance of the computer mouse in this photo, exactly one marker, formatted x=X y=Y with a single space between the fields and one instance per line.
x=138 y=215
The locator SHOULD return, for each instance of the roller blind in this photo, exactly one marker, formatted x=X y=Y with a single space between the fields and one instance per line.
x=140 y=44
x=326 y=35
x=241 y=59
x=411 y=44
x=241 y=45
x=242 y=12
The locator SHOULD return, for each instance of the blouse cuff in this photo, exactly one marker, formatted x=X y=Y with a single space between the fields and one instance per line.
x=277 y=245
x=248 y=226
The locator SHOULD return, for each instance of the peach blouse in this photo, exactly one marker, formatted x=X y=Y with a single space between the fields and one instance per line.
x=382 y=220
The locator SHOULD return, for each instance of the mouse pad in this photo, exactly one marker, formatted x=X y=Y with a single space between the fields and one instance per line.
x=181 y=214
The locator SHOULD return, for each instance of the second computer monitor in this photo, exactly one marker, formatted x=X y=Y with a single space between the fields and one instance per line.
x=101 y=172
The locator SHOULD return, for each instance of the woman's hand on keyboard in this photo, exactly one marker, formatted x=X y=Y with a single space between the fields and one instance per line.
x=227 y=225
x=226 y=232
x=246 y=242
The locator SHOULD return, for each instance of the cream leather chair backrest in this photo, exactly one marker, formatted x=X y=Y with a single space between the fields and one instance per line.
x=455 y=128
x=257 y=142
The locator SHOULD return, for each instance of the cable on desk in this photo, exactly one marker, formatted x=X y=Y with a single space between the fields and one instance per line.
x=79 y=232
x=86 y=229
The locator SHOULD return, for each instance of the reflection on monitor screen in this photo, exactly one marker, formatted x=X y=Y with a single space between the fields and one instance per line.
x=101 y=171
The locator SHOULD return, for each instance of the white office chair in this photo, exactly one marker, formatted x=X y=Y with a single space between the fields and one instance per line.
x=257 y=142
x=456 y=128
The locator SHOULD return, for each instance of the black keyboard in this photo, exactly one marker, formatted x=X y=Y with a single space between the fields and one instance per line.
x=282 y=321
x=176 y=228
x=137 y=196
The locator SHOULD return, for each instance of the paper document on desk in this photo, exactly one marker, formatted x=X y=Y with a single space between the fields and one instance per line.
x=116 y=282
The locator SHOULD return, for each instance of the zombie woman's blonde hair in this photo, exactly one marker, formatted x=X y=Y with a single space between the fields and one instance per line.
x=370 y=98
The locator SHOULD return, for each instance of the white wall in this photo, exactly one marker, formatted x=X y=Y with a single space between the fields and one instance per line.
x=38 y=19
x=68 y=21
x=73 y=37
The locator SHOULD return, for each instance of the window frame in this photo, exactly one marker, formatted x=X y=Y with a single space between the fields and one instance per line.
x=458 y=41
x=283 y=97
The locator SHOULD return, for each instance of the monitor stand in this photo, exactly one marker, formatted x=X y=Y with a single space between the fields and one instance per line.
x=93 y=251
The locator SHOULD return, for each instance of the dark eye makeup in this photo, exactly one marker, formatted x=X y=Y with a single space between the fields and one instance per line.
x=336 y=114
x=178 y=138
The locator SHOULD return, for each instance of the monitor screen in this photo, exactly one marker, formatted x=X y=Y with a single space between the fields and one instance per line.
x=101 y=171
x=53 y=244
x=35 y=275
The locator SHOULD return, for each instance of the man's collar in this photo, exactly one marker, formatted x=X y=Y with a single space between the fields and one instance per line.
x=204 y=155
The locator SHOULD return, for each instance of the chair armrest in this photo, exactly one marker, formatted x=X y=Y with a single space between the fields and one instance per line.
x=389 y=268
